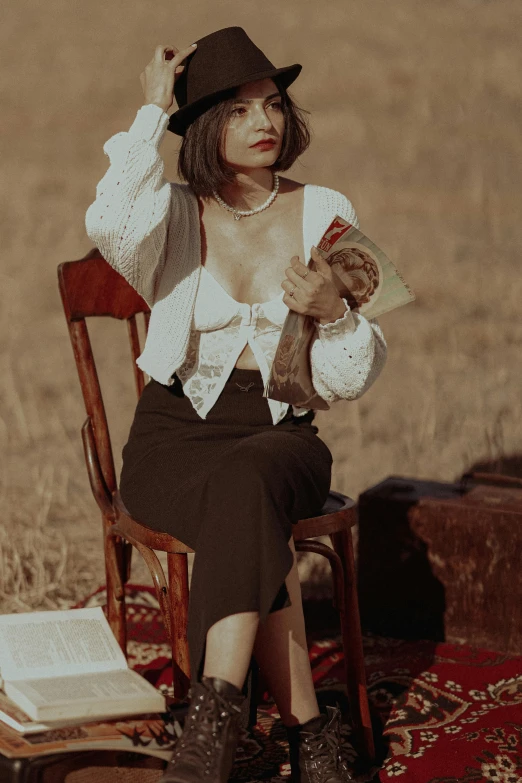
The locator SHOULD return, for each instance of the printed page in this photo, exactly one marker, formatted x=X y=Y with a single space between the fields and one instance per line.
x=362 y=272
x=102 y=686
x=56 y=643
x=86 y=695
x=14 y=716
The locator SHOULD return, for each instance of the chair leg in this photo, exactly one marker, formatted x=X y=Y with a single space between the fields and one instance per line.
x=353 y=648
x=179 y=598
x=127 y=553
x=248 y=717
x=159 y=582
x=115 y=586
x=252 y=691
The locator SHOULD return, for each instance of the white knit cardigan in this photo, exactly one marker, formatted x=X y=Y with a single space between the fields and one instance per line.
x=148 y=229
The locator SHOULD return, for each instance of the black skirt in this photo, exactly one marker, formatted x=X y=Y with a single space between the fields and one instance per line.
x=230 y=487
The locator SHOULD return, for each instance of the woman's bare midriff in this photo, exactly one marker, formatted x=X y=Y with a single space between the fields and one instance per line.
x=248 y=257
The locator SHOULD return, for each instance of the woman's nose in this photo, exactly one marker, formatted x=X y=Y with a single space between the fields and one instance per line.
x=262 y=120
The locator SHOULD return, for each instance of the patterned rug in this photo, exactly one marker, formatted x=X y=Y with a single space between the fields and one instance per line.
x=442 y=713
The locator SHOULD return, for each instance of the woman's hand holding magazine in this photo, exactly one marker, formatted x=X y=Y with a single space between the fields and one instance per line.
x=365 y=277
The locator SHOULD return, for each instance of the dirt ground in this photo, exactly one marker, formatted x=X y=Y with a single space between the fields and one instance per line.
x=416 y=113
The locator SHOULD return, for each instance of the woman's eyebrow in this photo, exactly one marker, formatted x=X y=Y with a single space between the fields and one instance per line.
x=251 y=100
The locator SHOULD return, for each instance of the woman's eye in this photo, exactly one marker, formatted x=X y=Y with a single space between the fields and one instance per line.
x=238 y=110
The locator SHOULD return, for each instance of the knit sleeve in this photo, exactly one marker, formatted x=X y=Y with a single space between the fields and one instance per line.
x=346 y=355
x=129 y=219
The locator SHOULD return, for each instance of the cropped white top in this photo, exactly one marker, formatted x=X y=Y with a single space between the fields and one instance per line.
x=222 y=327
x=148 y=229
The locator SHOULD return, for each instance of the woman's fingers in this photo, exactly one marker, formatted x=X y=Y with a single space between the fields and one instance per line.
x=298 y=279
x=170 y=52
x=178 y=60
x=181 y=55
x=159 y=51
x=164 y=53
x=161 y=73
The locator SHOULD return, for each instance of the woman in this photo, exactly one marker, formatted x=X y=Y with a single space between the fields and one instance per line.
x=209 y=459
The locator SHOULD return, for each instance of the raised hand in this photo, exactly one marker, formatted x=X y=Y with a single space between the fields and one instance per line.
x=161 y=73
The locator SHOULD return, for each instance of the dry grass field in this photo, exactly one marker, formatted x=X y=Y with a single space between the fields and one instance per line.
x=416 y=110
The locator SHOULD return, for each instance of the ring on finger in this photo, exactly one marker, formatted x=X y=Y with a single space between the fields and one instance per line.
x=292 y=291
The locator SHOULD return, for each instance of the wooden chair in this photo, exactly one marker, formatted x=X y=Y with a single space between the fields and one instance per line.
x=91 y=287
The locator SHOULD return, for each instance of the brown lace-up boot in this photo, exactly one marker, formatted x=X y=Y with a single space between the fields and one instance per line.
x=315 y=750
x=206 y=750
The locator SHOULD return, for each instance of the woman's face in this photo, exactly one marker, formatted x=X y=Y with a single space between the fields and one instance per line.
x=256 y=115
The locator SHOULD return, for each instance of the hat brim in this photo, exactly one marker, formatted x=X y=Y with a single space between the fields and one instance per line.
x=181 y=119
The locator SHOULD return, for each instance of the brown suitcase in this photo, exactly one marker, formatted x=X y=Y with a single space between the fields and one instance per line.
x=443 y=561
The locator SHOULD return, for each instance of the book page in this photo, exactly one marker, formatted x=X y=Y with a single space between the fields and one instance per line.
x=50 y=644
x=96 y=688
x=14 y=716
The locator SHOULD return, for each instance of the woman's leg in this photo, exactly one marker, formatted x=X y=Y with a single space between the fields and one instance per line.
x=229 y=647
x=281 y=651
x=280 y=648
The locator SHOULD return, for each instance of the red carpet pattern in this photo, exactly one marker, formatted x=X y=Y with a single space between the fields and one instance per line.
x=442 y=713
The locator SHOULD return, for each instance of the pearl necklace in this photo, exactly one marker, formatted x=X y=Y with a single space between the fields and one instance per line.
x=239 y=213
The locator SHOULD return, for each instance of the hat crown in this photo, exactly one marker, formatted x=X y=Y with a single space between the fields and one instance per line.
x=221 y=59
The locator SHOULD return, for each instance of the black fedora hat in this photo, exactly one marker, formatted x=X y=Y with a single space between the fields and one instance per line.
x=222 y=60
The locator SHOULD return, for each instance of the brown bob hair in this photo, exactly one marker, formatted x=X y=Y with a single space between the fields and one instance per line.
x=201 y=163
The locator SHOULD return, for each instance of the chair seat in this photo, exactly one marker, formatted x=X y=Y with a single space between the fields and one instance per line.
x=338 y=513
x=154 y=539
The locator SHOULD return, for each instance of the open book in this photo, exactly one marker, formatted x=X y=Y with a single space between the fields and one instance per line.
x=63 y=665
x=11 y=715
x=370 y=283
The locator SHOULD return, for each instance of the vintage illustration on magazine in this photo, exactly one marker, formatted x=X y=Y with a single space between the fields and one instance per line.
x=365 y=277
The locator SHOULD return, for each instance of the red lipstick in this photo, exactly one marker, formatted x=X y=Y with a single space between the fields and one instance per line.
x=265 y=144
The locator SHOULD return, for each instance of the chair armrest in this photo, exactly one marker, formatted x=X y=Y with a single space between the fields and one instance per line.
x=98 y=485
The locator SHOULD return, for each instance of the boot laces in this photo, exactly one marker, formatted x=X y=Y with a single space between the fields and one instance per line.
x=202 y=725
x=324 y=751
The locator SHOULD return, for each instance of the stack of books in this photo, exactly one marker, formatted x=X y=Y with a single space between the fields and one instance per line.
x=66 y=686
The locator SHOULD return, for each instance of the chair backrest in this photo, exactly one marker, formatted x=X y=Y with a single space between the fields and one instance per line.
x=91 y=287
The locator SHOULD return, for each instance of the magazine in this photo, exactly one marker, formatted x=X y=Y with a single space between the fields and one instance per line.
x=67 y=665
x=153 y=734
x=372 y=286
